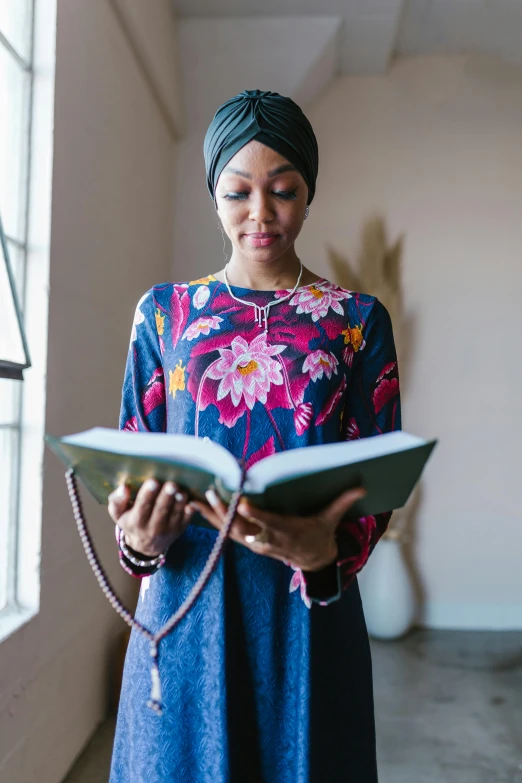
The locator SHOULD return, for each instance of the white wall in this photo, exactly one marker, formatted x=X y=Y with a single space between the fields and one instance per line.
x=111 y=240
x=436 y=145
x=152 y=31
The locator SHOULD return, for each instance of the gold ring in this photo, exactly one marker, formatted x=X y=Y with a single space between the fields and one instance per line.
x=259 y=538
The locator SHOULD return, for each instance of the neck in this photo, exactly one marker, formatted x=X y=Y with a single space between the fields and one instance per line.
x=272 y=276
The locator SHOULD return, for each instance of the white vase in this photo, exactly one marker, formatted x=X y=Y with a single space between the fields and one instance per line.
x=387 y=591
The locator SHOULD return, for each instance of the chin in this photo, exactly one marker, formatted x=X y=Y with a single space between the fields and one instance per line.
x=264 y=258
x=263 y=255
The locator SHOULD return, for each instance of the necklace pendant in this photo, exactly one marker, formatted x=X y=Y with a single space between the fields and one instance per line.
x=261 y=313
x=266 y=310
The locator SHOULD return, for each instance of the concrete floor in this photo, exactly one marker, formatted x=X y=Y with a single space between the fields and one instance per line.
x=448 y=709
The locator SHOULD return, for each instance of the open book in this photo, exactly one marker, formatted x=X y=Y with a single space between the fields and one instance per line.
x=299 y=481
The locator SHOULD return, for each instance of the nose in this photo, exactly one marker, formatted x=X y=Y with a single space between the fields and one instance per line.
x=261 y=209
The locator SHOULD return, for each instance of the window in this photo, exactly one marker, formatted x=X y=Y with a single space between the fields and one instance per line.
x=16 y=88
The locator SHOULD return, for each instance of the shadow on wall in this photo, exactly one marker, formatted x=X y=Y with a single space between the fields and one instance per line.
x=377 y=270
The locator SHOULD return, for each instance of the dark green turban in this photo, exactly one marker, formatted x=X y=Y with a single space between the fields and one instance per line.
x=269 y=118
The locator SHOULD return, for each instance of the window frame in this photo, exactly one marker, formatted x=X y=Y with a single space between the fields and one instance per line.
x=13 y=610
x=8 y=368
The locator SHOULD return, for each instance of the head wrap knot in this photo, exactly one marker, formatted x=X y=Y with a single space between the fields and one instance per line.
x=269 y=118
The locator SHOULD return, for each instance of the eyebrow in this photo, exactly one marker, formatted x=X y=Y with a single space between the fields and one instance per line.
x=273 y=173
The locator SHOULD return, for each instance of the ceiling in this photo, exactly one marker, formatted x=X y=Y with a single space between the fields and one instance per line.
x=373 y=31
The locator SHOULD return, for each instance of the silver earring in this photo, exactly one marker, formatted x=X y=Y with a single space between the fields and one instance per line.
x=307 y=212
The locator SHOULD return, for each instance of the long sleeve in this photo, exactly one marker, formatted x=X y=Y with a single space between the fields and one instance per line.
x=143 y=406
x=372 y=407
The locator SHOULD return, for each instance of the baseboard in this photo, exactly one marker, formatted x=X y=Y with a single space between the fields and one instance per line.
x=472 y=617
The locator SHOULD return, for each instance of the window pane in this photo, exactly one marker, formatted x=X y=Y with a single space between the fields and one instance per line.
x=15 y=24
x=11 y=345
x=9 y=401
x=8 y=469
x=17 y=261
x=14 y=127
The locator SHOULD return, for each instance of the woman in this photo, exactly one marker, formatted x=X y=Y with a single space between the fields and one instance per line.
x=269 y=676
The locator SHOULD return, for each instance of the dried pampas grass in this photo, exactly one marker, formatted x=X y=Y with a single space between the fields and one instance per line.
x=376 y=271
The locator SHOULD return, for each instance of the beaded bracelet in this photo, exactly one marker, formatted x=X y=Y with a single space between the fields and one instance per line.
x=154 y=562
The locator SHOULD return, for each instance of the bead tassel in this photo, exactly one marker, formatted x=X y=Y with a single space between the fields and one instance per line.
x=155 y=700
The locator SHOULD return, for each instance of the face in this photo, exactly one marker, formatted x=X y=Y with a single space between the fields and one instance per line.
x=261 y=200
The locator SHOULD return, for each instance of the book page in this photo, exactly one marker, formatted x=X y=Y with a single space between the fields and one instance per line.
x=311 y=459
x=185 y=449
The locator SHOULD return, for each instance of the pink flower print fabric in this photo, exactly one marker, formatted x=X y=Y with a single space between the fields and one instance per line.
x=202 y=326
x=271 y=683
x=320 y=363
x=298 y=582
x=317 y=299
x=247 y=370
x=325 y=371
x=201 y=296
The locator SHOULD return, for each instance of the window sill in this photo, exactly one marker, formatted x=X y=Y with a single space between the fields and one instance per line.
x=12 y=619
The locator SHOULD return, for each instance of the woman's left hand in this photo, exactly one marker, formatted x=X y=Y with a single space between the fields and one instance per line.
x=307 y=543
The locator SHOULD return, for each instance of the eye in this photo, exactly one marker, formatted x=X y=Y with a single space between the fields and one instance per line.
x=238 y=196
x=286 y=195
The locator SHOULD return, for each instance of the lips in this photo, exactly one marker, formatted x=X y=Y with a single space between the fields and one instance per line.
x=261 y=240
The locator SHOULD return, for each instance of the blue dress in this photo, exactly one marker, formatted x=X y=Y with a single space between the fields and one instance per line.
x=267 y=680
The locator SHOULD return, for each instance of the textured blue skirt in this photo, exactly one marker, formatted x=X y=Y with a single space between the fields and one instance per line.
x=256 y=687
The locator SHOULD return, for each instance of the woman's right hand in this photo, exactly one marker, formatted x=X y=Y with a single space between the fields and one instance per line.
x=158 y=517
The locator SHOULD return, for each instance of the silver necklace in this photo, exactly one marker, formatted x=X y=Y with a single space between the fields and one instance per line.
x=261 y=313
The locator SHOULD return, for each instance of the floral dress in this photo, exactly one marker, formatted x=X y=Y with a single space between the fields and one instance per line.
x=268 y=679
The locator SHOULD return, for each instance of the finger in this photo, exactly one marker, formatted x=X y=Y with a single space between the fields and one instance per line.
x=242 y=531
x=118 y=502
x=240 y=527
x=216 y=504
x=181 y=506
x=180 y=517
x=188 y=513
x=343 y=503
x=145 y=500
x=175 y=526
x=267 y=519
x=208 y=513
x=171 y=499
